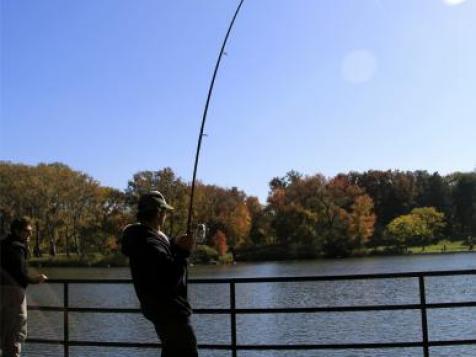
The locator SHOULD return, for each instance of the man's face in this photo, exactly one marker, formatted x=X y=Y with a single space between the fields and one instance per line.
x=25 y=233
x=162 y=217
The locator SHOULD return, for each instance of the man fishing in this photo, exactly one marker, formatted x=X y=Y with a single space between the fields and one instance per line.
x=159 y=270
x=14 y=279
x=159 y=264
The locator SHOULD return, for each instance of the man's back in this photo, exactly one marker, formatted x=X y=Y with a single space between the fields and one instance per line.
x=158 y=270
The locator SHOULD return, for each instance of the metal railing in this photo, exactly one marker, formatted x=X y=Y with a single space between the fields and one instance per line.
x=233 y=311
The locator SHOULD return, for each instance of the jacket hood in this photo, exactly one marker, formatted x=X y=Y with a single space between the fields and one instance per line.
x=133 y=238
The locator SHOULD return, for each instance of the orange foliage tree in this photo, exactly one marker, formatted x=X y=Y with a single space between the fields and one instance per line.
x=219 y=243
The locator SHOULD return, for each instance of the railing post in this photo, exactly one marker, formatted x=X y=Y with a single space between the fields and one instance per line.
x=66 y=319
x=424 y=320
x=233 y=318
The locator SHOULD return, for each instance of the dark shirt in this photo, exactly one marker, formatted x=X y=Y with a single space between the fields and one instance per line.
x=14 y=271
x=159 y=270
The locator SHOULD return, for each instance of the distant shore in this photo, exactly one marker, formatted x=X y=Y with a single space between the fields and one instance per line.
x=262 y=254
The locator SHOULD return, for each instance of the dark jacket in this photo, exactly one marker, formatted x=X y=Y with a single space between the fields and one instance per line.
x=13 y=255
x=159 y=270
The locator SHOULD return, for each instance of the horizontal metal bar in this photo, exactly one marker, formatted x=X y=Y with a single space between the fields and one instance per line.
x=328 y=309
x=45 y=308
x=85 y=309
x=104 y=310
x=239 y=347
x=114 y=344
x=88 y=281
x=139 y=345
x=270 y=310
x=93 y=343
x=283 y=279
x=330 y=346
x=119 y=344
x=44 y=341
x=335 y=308
x=452 y=343
x=451 y=305
x=342 y=346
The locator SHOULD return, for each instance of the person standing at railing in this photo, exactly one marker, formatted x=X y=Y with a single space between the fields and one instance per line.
x=159 y=268
x=14 y=278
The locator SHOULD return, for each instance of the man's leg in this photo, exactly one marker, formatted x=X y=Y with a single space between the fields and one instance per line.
x=14 y=315
x=178 y=338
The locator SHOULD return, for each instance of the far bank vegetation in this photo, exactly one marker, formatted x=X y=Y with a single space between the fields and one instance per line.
x=77 y=221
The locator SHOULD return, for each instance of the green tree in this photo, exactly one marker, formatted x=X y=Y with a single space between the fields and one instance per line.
x=434 y=220
x=463 y=187
x=420 y=227
x=404 y=228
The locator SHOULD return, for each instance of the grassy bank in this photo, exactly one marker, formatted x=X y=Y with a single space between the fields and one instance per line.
x=444 y=246
x=294 y=252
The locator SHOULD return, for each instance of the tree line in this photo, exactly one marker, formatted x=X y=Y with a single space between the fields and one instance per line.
x=305 y=216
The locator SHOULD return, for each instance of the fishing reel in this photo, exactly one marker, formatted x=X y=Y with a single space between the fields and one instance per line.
x=200 y=233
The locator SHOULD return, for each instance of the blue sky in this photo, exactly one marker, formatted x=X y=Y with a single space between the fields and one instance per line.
x=113 y=87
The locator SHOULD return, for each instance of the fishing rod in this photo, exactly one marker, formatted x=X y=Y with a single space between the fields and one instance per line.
x=204 y=118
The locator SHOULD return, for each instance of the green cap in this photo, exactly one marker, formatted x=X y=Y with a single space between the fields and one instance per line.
x=152 y=200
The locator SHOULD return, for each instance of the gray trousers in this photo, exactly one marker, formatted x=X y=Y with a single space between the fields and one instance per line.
x=13 y=315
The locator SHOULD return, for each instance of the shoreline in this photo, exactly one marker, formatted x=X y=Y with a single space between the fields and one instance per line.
x=111 y=262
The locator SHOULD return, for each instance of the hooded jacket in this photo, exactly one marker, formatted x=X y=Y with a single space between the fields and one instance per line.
x=158 y=269
x=13 y=257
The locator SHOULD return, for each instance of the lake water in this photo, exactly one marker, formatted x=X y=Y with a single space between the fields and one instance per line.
x=339 y=327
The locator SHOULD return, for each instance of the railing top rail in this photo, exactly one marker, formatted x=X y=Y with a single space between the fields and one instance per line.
x=286 y=279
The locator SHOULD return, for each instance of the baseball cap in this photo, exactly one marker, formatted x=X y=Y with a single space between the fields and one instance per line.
x=152 y=200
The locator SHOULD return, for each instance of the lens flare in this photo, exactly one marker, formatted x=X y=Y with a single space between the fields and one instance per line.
x=453 y=2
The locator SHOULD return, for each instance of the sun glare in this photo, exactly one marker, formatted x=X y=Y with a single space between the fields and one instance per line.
x=453 y=2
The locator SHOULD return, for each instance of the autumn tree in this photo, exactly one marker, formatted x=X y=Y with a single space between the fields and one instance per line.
x=361 y=220
x=348 y=218
x=331 y=216
x=224 y=210
x=219 y=243
x=240 y=225
x=65 y=204
x=260 y=230
x=294 y=208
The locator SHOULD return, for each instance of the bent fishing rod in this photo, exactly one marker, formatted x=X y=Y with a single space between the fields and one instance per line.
x=204 y=118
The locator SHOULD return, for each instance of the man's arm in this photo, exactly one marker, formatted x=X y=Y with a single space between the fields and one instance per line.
x=20 y=269
x=168 y=269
